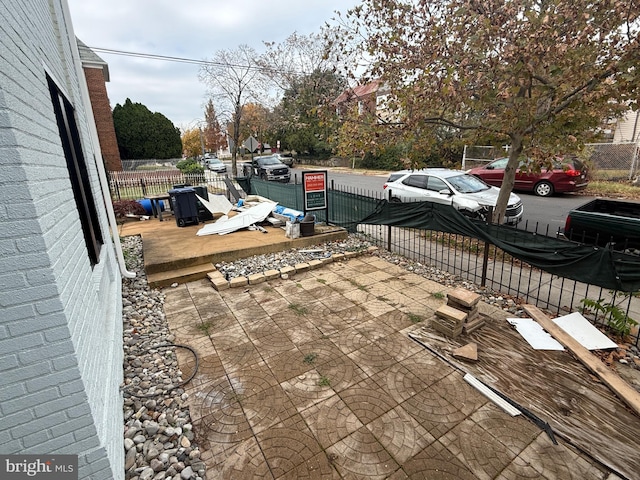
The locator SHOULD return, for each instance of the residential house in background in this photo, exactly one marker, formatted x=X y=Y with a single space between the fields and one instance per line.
x=364 y=98
x=368 y=99
x=627 y=128
x=60 y=289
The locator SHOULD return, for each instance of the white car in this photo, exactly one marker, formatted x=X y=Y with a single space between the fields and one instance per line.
x=464 y=192
x=216 y=165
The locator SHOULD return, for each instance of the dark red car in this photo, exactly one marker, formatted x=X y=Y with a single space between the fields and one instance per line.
x=567 y=176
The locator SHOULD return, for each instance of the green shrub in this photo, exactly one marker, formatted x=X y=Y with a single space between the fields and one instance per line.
x=190 y=166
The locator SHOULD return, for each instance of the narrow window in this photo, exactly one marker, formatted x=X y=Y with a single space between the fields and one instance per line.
x=78 y=173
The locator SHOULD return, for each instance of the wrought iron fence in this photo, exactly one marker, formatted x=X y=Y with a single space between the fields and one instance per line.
x=487 y=266
x=139 y=184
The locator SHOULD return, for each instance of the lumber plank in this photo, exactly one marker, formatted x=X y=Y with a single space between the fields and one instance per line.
x=618 y=386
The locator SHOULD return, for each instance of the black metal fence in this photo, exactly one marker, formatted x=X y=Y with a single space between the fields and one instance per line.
x=468 y=259
x=485 y=265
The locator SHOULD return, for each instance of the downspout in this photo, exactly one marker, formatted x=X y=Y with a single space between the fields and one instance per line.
x=102 y=175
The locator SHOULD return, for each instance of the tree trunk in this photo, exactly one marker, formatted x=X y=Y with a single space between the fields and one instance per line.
x=509 y=178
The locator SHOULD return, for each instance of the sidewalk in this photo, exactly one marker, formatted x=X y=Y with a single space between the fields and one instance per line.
x=315 y=376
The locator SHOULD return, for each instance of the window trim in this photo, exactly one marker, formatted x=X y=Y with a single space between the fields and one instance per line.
x=78 y=172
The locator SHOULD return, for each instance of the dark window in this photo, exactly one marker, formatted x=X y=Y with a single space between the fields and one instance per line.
x=78 y=174
x=418 y=181
x=435 y=184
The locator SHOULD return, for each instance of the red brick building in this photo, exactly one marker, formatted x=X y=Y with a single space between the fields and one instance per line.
x=96 y=71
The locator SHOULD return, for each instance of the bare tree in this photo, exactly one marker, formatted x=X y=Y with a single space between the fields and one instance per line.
x=234 y=78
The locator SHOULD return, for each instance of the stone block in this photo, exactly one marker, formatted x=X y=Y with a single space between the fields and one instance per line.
x=238 y=282
x=313 y=264
x=337 y=257
x=290 y=271
x=272 y=274
x=463 y=297
x=301 y=267
x=257 y=278
x=452 y=315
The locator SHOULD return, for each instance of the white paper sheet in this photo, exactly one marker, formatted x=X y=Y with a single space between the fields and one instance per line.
x=584 y=332
x=534 y=334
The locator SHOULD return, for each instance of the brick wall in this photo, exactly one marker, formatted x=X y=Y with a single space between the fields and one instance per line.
x=104 y=118
x=60 y=318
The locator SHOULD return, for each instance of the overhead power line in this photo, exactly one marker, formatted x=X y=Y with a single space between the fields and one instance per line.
x=166 y=58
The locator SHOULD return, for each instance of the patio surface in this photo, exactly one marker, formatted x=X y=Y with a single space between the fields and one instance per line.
x=315 y=377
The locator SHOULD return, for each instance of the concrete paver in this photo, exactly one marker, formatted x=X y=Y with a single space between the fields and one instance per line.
x=315 y=377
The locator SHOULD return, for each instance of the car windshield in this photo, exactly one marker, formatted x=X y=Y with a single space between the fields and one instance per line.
x=268 y=161
x=467 y=183
x=215 y=160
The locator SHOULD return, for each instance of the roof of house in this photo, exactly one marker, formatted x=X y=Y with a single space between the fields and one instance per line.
x=359 y=91
x=90 y=59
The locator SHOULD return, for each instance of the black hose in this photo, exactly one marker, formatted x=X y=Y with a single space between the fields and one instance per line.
x=126 y=389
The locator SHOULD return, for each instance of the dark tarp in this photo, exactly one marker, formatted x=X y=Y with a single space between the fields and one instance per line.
x=593 y=265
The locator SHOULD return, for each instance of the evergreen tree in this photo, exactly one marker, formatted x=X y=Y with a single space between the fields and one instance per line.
x=143 y=134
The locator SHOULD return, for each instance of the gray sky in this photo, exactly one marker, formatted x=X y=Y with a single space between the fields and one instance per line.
x=193 y=29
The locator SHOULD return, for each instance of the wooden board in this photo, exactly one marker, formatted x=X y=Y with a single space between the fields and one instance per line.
x=621 y=388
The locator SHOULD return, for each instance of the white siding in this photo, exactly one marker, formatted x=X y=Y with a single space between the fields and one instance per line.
x=60 y=319
x=628 y=128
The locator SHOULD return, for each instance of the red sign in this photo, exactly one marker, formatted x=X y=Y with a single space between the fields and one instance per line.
x=314 y=182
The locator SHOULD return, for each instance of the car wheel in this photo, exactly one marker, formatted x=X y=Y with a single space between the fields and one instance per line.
x=263 y=176
x=543 y=189
x=395 y=200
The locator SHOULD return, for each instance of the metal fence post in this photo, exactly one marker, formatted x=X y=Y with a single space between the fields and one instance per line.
x=485 y=256
x=389 y=227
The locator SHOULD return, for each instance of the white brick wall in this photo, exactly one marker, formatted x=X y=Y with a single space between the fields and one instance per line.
x=60 y=319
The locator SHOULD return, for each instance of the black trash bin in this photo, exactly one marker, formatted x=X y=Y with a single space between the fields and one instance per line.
x=185 y=206
x=203 y=213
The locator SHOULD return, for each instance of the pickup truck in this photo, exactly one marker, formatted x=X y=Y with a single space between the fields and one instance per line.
x=602 y=221
x=267 y=168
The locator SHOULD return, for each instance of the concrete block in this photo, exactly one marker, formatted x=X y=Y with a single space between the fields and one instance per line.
x=302 y=267
x=337 y=257
x=451 y=314
x=257 y=278
x=313 y=264
x=372 y=249
x=290 y=271
x=238 y=282
x=349 y=255
x=218 y=281
x=464 y=297
x=272 y=274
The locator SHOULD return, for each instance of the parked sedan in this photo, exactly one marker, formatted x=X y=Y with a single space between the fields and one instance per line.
x=216 y=165
x=466 y=193
x=566 y=176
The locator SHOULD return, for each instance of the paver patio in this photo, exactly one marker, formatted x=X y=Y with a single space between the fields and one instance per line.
x=315 y=377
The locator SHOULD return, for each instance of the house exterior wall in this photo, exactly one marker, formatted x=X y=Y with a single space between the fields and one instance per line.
x=628 y=128
x=104 y=118
x=60 y=317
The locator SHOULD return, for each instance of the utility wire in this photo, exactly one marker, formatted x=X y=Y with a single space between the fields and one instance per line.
x=192 y=61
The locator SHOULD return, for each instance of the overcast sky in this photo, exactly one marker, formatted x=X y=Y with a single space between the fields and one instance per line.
x=193 y=29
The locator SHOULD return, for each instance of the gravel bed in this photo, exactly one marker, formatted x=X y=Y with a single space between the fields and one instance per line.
x=159 y=439
x=158 y=435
